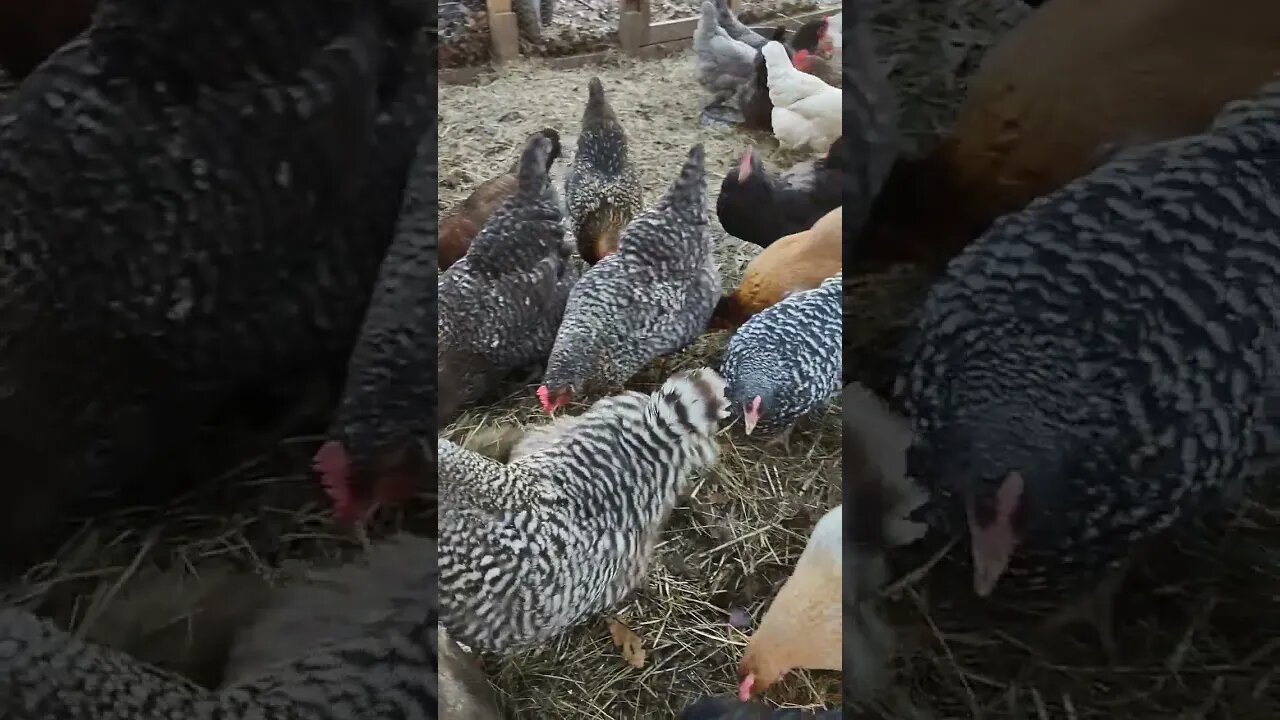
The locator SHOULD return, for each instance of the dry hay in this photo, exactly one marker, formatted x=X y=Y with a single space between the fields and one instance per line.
x=733 y=542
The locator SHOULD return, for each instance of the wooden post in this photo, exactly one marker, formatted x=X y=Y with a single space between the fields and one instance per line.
x=504 y=32
x=633 y=26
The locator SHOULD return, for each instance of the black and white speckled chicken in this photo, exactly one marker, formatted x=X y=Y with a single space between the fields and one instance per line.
x=532 y=548
x=355 y=642
x=196 y=201
x=602 y=190
x=372 y=456
x=501 y=304
x=786 y=362
x=652 y=297
x=1103 y=365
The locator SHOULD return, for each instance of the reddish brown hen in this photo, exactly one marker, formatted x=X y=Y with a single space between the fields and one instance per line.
x=1076 y=81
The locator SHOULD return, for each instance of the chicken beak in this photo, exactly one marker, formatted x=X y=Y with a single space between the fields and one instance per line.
x=751 y=415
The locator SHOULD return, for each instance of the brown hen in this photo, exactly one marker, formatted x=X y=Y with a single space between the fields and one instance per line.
x=459 y=227
x=790 y=264
x=1074 y=83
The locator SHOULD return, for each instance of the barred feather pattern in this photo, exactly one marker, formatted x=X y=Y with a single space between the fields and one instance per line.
x=357 y=642
x=1116 y=342
x=601 y=179
x=501 y=304
x=790 y=356
x=531 y=548
x=652 y=297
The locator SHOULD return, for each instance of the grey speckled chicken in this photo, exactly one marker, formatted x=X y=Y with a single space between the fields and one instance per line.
x=532 y=548
x=355 y=642
x=373 y=455
x=1104 y=364
x=786 y=362
x=652 y=297
x=195 y=202
x=602 y=189
x=722 y=65
x=500 y=306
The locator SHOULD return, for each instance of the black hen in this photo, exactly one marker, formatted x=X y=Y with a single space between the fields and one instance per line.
x=196 y=200
x=373 y=454
x=758 y=207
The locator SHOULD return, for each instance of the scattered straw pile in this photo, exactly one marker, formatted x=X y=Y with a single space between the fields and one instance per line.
x=736 y=539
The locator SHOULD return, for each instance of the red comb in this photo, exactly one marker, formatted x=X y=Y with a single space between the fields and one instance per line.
x=801 y=59
x=333 y=465
x=744 y=165
x=544 y=397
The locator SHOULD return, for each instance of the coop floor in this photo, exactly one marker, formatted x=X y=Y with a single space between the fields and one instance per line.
x=735 y=540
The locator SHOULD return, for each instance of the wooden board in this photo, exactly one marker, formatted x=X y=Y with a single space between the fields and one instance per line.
x=683 y=29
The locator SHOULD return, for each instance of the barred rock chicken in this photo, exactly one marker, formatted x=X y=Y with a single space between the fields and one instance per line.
x=1102 y=365
x=459 y=227
x=602 y=189
x=534 y=547
x=355 y=642
x=757 y=207
x=721 y=708
x=806 y=110
x=501 y=304
x=196 y=201
x=371 y=457
x=722 y=66
x=793 y=263
x=786 y=362
x=31 y=30
x=1067 y=87
x=734 y=27
x=650 y=298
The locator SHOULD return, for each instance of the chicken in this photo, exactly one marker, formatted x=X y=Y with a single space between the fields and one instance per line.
x=806 y=110
x=802 y=626
x=371 y=457
x=719 y=708
x=752 y=97
x=171 y=253
x=31 y=30
x=785 y=363
x=882 y=499
x=800 y=261
x=722 y=66
x=1076 y=80
x=459 y=227
x=735 y=29
x=500 y=306
x=830 y=35
x=349 y=643
x=826 y=70
x=532 y=548
x=602 y=189
x=759 y=208
x=652 y=297
x=1102 y=365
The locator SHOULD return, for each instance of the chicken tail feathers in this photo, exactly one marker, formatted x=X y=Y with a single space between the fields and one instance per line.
x=688 y=191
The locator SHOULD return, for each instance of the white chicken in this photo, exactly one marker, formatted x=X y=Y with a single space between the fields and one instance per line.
x=807 y=112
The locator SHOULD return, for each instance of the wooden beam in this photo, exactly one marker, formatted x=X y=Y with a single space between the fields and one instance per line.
x=683 y=29
x=504 y=31
x=633 y=25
